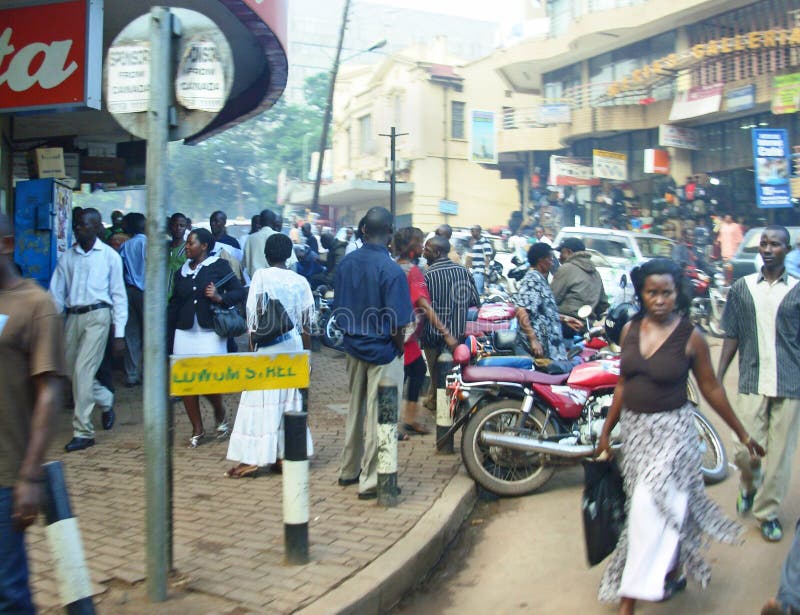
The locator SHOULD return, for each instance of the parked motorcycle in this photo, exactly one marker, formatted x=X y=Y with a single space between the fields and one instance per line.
x=520 y=424
x=708 y=295
x=325 y=326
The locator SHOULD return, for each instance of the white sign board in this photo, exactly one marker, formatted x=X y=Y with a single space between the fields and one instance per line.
x=609 y=165
x=678 y=136
x=128 y=82
x=201 y=78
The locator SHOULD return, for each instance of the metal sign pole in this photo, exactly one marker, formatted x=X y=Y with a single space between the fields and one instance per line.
x=155 y=307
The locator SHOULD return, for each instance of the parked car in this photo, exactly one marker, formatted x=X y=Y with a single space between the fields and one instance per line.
x=746 y=259
x=624 y=249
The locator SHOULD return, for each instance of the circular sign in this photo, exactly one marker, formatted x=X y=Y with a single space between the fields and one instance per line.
x=201 y=69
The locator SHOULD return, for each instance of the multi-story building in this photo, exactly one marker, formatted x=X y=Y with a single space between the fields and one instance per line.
x=314 y=30
x=689 y=77
x=430 y=98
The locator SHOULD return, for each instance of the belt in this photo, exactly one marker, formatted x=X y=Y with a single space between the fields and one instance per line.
x=277 y=340
x=83 y=309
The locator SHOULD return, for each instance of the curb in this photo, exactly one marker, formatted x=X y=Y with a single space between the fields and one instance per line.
x=379 y=586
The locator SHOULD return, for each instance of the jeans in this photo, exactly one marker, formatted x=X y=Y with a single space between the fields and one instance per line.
x=479 y=279
x=789 y=589
x=15 y=595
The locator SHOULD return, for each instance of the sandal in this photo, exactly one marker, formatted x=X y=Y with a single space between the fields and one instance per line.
x=673 y=586
x=242 y=470
x=402 y=437
x=194 y=441
x=416 y=428
x=223 y=430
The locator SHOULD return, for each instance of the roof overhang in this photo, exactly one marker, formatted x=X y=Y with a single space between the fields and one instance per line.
x=256 y=32
x=356 y=193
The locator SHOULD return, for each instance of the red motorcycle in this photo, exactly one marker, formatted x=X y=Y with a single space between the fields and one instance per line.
x=520 y=424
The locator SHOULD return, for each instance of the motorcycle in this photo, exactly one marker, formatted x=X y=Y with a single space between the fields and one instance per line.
x=325 y=326
x=708 y=295
x=520 y=424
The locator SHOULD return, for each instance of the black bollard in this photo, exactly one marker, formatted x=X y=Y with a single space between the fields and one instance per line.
x=64 y=536
x=295 y=487
x=387 y=445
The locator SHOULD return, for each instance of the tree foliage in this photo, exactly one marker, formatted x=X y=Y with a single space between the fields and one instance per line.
x=237 y=170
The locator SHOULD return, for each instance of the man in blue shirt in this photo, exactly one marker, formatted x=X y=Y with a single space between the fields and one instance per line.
x=133 y=254
x=372 y=307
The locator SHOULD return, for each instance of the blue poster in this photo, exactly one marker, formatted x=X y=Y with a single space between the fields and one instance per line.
x=771 y=154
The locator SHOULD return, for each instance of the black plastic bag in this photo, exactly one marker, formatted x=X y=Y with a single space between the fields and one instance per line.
x=603 y=508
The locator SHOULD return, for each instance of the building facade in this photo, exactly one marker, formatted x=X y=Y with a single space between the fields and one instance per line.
x=689 y=79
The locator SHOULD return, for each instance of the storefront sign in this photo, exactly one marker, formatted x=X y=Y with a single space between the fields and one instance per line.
x=786 y=94
x=231 y=373
x=567 y=171
x=448 y=208
x=678 y=136
x=656 y=161
x=554 y=114
x=128 y=79
x=201 y=78
x=609 y=165
x=50 y=56
x=740 y=99
x=771 y=154
x=696 y=102
x=482 y=137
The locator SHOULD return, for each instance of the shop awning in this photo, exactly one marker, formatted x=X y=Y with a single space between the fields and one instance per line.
x=356 y=193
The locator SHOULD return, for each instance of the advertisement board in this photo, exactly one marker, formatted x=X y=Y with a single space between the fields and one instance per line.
x=695 y=102
x=554 y=114
x=786 y=94
x=483 y=137
x=569 y=171
x=678 y=136
x=656 y=161
x=740 y=99
x=609 y=165
x=771 y=159
x=51 y=56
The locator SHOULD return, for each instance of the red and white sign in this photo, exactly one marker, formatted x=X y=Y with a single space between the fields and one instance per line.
x=569 y=171
x=50 y=56
x=696 y=102
x=656 y=161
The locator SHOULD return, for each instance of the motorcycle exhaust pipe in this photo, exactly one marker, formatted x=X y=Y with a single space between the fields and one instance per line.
x=529 y=445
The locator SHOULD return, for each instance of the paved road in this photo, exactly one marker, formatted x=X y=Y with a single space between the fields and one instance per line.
x=527 y=555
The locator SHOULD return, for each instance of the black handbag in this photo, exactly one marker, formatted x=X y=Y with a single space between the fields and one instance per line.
x=603 y=507
x=228 y=322
x=272 y=322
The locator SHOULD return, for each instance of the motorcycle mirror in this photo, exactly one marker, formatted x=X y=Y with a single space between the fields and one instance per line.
x=623 y=281
x=584 y=312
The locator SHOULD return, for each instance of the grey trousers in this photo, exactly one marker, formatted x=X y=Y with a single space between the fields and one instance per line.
x=134 y=335
x=86 y=336
x=789 y=589
x=360 y=452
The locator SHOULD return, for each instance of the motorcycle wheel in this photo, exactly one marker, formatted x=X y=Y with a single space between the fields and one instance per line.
x=714 y=464
x=498 y=470
x=331 y=334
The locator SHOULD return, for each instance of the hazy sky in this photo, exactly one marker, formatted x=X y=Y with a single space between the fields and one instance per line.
x=476 y=9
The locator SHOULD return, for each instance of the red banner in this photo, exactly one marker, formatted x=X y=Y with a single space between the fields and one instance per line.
x=43 y=55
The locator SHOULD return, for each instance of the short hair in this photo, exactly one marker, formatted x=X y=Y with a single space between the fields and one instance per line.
x=441 y=245
x=360 y=228
x=378 y=222
x=267 y=217
x=660 y=266
x=134 y=223
x=447 y=231
x=278 y=248
x=538 y=251
x=327 y=240
x=177 y=216
x=780 y=229
x=218 y=213
x=404 y=237
x=204 y=236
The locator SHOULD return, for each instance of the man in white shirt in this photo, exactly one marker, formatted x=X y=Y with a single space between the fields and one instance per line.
x=254 y=258
x=88 y=284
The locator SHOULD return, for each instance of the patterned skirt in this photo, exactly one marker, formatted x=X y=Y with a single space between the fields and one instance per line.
x=662 y=454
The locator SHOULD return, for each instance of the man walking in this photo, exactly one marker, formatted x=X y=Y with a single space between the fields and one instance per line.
x=88 y=284
x=32 y=352
x=761 y=321
x=372 y=307
x=254 y=258
x=729 y=237
x=133 y=253
x=479 y=257
x=217 y=222
x=452 y=290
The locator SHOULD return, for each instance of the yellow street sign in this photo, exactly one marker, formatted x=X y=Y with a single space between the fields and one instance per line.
x=231 y=373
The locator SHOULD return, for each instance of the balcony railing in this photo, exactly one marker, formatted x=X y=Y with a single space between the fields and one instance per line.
x=565 y=13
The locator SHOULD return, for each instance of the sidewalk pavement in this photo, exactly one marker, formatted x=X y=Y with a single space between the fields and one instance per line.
x=228 y=534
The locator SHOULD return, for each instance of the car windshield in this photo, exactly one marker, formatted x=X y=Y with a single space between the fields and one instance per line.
x=652 y=247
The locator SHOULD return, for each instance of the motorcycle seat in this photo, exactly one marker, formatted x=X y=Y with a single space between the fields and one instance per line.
x=474 y=373
x=521 y=362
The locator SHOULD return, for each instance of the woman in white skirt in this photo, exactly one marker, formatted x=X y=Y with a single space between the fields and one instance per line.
x=257 y=438
x=191 y=322
x=669 y=516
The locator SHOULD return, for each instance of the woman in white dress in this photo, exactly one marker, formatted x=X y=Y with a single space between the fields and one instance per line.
x=257 y=438
x=190 y=319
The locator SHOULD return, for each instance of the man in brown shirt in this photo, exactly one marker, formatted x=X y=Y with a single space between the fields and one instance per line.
x=32 y=356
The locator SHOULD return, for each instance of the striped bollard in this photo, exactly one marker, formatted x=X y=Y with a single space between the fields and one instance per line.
x=444 y=421
x=64 y=537
x=295 y=486
x=387 y=445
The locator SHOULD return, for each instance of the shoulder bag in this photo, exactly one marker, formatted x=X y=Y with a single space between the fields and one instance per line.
x=272 y=322
x=228 y=322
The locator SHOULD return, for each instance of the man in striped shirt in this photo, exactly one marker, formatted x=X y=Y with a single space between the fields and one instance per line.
x=479 y=257
x=452 y=292
x=761 y=321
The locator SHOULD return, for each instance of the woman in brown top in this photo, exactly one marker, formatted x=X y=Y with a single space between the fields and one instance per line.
x=668 y=511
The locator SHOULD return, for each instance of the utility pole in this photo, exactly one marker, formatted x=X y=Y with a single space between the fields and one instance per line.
x=393 y=134
x=323 y=141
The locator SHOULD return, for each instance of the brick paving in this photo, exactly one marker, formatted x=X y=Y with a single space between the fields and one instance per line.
x=229 y=533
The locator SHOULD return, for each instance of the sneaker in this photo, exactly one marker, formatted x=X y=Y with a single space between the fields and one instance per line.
x=771 y=530
x=744 y=502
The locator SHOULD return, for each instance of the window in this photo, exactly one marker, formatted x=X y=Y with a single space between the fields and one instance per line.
x=457 y=119
x=365 y=134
